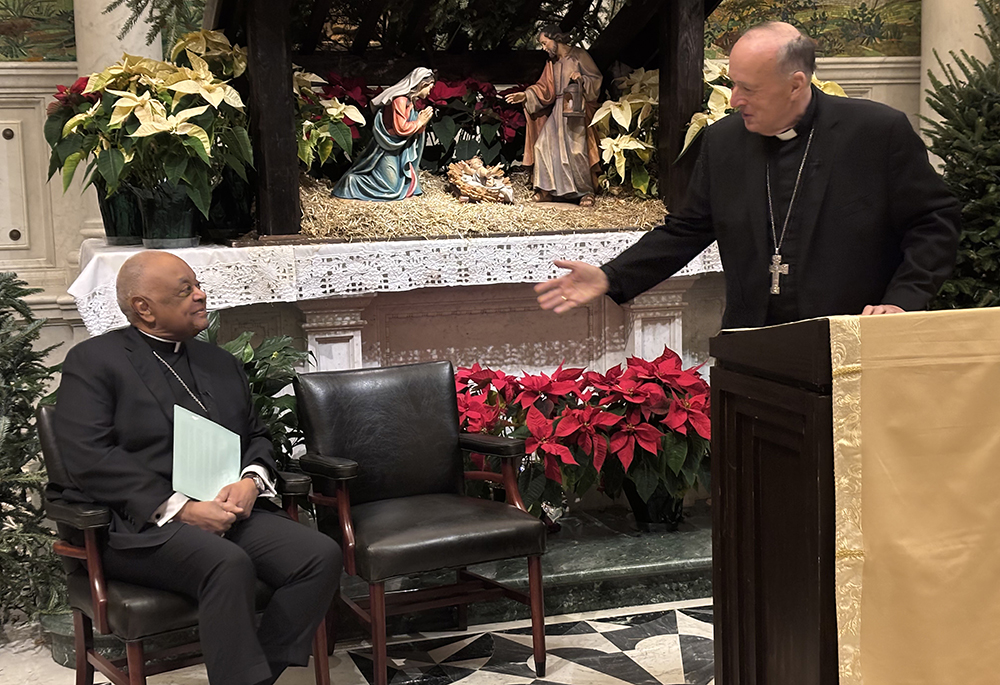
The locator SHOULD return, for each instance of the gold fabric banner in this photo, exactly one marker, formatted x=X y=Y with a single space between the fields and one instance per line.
x=925 y=609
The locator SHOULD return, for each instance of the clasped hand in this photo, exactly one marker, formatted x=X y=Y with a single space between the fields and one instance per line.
x=234 y=501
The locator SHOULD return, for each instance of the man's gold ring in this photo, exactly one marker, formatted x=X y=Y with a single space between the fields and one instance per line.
x=564 y=297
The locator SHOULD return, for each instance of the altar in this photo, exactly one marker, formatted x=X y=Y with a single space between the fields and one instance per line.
x=467 y=300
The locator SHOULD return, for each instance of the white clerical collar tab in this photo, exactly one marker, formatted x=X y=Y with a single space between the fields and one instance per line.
x=787 y=135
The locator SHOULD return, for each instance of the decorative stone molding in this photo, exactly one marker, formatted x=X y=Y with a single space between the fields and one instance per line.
x=333 y=331
x=654 y=319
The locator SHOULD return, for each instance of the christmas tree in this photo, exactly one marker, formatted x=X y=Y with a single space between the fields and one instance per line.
x=967 y=139
x=31 y=579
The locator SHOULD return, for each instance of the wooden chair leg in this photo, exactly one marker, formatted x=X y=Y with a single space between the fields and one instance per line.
x=537 y=613
x=83 y=641
x=463 y=609
x=321 y=659
x=376 y=608
x=331 y=624
x=136 y=660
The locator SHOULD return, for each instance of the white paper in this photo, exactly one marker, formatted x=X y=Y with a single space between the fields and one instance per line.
x=206 y=455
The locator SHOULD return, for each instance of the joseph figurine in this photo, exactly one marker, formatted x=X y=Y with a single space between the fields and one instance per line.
x=562 y=149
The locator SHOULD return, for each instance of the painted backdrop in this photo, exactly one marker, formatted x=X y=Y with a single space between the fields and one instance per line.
x=842 y=28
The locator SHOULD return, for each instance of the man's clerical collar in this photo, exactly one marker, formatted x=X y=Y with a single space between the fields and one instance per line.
x=805 y=123
x=177 y=344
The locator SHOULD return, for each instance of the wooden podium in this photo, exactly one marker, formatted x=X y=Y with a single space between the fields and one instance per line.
x=773 y=522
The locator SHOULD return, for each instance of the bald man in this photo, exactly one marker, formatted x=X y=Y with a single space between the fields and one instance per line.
x=820 y=205
x=114 y=426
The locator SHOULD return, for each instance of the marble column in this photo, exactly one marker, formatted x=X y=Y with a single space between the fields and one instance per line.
x=333 y=331
x=98 y=46
x=947 y=26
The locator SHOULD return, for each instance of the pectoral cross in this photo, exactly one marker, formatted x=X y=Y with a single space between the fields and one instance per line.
x=776 y=269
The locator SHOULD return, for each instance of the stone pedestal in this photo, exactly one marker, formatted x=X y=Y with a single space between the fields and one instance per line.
x=655 y=319
x=333 y=331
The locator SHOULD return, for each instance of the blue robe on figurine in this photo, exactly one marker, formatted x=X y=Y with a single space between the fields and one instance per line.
x=388 y=168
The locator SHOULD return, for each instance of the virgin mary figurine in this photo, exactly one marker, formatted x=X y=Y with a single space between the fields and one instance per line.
x=387 y=169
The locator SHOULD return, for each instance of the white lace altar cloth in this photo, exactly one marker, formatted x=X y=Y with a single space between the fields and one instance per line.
x=235 y=276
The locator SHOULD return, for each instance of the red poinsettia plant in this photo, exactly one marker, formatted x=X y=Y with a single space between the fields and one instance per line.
x=647 y=423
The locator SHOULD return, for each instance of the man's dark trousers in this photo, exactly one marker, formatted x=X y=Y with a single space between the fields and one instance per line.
x=220 y=572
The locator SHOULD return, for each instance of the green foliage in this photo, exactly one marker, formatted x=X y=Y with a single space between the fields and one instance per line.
x=270 y=367
x=170 y=18
x=31 y=578
x=471 y=119
x=626 y=129
x=967 y=139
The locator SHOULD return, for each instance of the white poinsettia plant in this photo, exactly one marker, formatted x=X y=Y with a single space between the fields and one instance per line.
x=626 y=129
x=320 y=123
x=720 y=94
x=149 y=123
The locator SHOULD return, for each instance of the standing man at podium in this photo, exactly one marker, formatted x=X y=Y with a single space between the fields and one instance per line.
x=820 y=205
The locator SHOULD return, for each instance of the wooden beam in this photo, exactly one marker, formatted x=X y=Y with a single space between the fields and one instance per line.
x=681 y=92
x=272 y=124
x=623 y=29
x=383 y=68
x=577 y=10
x=413 y=34
x=369 y=23
x=524 y=16
x=314 y=29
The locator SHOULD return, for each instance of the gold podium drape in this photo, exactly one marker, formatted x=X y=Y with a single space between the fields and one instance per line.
x=916 y=403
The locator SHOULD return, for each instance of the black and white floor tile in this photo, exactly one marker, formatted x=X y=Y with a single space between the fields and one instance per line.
x=669 y=644
x=661 y=644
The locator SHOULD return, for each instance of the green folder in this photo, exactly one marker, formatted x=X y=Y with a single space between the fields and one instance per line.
x=206 y=455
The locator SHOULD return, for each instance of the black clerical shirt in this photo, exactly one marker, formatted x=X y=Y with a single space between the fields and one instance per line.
x=783 y=159
x=175 y=355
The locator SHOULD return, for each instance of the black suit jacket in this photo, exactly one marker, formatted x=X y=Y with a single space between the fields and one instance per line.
x=114 y=426
x=877 y=224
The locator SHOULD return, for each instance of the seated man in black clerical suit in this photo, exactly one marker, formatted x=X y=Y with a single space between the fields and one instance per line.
x=114 y=424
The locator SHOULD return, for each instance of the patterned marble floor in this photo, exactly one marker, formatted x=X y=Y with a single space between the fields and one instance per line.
x=657 y=644
x=650 y=645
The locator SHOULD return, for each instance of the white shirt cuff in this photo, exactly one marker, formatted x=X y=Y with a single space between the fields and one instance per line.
x=269 y=488
x=169 y=509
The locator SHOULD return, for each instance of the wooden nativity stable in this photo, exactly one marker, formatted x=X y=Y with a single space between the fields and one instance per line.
x=654 y=34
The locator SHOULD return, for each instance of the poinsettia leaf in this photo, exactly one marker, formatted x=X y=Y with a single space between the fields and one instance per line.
x=645 y=478
x=69 y=169
x=110 y=165
x=675 y=451
x=445 y=130
x=201 y=196
x=54 y=126
x=341 y=134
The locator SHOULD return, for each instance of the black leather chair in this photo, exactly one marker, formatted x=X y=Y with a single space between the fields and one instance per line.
x=130 y=612
x=385 y=451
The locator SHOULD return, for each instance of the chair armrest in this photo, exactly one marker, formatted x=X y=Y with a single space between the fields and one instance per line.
x=293 y=484
x=493 y=445
x=336 y=468
x=79 y=516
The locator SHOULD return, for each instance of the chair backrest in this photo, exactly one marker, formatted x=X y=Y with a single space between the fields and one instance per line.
x=45 y=418
x=400 y=423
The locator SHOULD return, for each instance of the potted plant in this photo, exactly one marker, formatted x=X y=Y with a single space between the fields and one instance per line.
x=627 y=129
x=643 y=430
x=119 y=209
x=165 y=133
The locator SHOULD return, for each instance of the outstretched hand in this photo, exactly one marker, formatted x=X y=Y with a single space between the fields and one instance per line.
x=583 y=283
x=515 y=98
